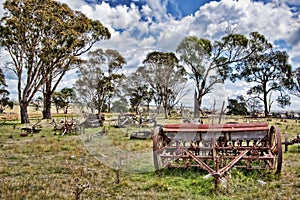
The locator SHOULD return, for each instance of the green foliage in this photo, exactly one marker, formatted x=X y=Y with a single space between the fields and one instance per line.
x=44 y=45
x=194 y=52
x=37 y=103
x=211 y=64
x=165 y=78
x=267 y=68
x=237 y=106
x=99 y=78
x=4 y=100
x=58 y=101
x=254 y=105
x=138 y=90
x=284 y=100
x=63 y=98
x=119 y=106
x=295 y=89
x=4 y=94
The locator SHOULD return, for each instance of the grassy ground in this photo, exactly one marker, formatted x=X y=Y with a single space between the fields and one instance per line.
x=48 y=166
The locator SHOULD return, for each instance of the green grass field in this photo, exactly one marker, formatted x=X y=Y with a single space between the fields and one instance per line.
x=48 y=166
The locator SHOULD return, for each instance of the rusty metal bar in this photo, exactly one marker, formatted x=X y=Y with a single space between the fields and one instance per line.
x=266 y=157
x=215 y=129
x=201 y=163
x=205 y=127
x=231 y=163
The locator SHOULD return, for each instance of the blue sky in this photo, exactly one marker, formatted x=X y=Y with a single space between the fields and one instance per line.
x=138 y=27
x=177 y=8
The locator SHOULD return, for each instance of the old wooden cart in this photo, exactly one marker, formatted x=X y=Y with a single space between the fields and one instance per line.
x=217 y=148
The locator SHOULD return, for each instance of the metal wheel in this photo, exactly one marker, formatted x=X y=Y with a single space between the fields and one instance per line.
x=276 y=148
x=157 y=148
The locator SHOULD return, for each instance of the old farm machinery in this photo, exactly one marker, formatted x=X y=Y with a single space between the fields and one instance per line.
x=291 y=142
x=217 y=148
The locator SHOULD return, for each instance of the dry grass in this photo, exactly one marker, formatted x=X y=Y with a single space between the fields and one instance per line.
x=44 y=166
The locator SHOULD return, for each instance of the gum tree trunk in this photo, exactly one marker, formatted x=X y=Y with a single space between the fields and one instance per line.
x=24 y=112
x=47 y=100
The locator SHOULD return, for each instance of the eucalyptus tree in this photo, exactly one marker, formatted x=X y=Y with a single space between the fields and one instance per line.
x=283 y=100
x=4 y=94
x=44 y=39
x=237 y=106
x=120 y=105
x=295 y=89
x=63 y=99
x=37 y=103
x=138 y=90
x=5 y=102
x=210 y=63
x=99 y=78
x=58 y=101
x=68 y=96
x=270 y=71
x=164 y=75
x=253 y=105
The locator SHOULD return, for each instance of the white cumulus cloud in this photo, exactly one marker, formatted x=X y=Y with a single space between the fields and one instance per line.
x=136 y=31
